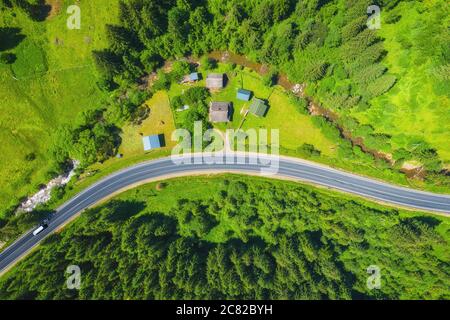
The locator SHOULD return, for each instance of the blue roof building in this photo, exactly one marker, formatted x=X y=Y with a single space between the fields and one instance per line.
x=244 y=95
x=193 y=76
x=151 y=142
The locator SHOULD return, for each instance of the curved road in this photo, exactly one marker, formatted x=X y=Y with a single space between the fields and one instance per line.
x=295 y=169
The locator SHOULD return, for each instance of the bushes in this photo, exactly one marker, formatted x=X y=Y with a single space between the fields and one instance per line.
x=308 y=150
x=90 y=139
x=270 y=78
x=301 y=104
x=208 y=63
x=328 y=129
x=7 y=58
x=179 y=70
x=196 y=98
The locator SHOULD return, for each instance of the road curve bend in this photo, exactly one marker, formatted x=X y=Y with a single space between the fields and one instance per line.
x=266 y=165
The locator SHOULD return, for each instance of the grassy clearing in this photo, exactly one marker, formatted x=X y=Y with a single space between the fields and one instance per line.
x=56 y=80
x=160 y=121
x=418 y=106
x=295 y=128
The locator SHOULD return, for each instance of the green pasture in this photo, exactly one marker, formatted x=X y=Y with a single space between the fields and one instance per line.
x=418 y=105
x=52 y=80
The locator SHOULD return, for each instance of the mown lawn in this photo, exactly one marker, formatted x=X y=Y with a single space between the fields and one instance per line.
x=55 y=81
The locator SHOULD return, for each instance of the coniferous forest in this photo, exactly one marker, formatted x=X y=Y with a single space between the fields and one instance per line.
x=235 y=237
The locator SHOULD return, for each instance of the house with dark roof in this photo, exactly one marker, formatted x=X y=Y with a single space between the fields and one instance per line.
x=215 y=81
x=151 y=142
x=219 y=111
x=244 y=95
x=258 y=107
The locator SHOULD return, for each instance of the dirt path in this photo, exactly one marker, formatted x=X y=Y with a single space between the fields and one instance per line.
x=55 y=8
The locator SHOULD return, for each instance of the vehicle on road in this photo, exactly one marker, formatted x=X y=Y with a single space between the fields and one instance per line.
x=41 y=228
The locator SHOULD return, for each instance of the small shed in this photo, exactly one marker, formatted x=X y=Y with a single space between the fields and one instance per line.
x=244 y=95
x=151 y=142
x=214 y=81
x=258 y=107
x=193 y=76
x=219 y=111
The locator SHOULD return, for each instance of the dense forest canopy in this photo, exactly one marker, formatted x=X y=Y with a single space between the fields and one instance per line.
x=306 y=39
x=237 y=238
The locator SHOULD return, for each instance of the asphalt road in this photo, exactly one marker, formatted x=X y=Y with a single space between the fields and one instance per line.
x=287 y=167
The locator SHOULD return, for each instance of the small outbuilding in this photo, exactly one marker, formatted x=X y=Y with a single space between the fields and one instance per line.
x=244 y=95
x=194 y=77
x=219 y=111
x=215 y=81
x=151 y=142
x=258 y=107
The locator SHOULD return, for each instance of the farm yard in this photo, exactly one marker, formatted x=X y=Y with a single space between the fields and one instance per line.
x=159 y=121
x=295 y=128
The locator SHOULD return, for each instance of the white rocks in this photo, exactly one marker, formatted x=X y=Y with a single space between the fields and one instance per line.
x=298 y=89
x=44 y=195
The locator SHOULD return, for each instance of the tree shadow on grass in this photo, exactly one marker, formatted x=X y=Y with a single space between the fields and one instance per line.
x=122 y=210
x=39 y=11
x=10 y=38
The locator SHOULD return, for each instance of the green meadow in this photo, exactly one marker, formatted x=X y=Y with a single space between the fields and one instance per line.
x=417 y=107
x=52 y=80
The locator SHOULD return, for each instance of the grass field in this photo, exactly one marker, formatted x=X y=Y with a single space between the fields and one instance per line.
x=160 y=121
x=55 y=81
x=294 y=128
x=418 y=105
